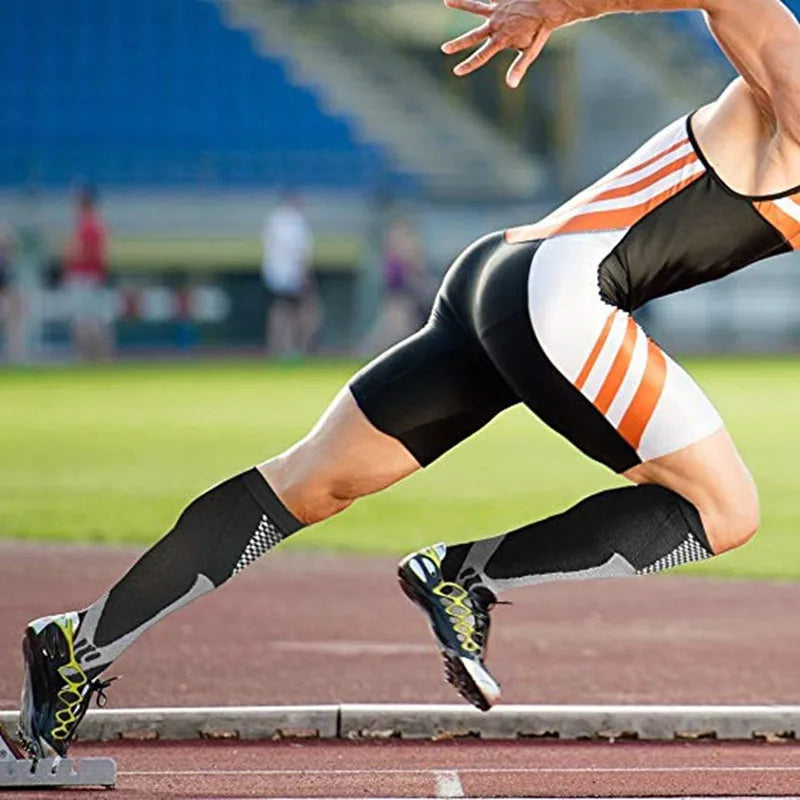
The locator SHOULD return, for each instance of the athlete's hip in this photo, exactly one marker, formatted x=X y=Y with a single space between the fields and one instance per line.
x=487 y=283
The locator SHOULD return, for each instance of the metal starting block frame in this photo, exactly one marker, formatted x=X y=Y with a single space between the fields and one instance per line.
x=17 y=771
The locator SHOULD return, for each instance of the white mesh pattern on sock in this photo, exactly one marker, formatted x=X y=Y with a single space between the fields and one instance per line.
x=685 y=553
x=266 y=536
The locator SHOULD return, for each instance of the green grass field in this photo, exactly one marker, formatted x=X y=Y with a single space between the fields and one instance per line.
x=112 y=454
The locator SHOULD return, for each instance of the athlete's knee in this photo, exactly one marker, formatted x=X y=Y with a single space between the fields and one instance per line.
x=343 y=458
x=742 y=520
x=324 y=498
x=733 y=520
x=309 y=492
x=313 y=502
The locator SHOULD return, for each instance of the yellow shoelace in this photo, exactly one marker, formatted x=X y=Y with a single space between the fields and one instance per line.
x=71 y=696
x=459 y=613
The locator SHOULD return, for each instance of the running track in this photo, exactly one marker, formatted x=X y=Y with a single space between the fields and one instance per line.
x=445 y=769
x=312 y=628
x=303 y=628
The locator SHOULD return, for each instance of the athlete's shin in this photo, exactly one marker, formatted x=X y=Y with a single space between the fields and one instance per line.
x=628 y=531
x=217 y=535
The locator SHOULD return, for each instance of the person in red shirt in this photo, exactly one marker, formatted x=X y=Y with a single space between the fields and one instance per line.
x=86 y=272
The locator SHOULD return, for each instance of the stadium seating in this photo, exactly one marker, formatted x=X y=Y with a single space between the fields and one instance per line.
x=159 y=93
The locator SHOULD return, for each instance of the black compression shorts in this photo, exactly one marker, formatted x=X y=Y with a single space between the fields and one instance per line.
x=477 y=356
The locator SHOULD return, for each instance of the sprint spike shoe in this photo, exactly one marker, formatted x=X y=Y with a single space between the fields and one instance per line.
x=459 y=618
x=56 y=691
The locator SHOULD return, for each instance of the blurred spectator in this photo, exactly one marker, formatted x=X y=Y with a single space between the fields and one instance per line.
x=407 y=289
x=292 y=303
x=86 y=276
x=10 y=311
x=24 y=276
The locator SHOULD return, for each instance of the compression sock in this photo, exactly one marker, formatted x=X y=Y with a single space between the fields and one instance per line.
x=631 y=531
x=217 y=535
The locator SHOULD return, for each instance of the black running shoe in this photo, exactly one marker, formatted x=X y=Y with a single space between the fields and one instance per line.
x=56 y=691
x=459 y=618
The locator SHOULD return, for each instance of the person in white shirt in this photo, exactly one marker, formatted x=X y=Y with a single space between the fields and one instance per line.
x=292 y=310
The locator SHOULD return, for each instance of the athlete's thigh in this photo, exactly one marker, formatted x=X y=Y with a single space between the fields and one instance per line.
x=434 y=389
x=586 y=368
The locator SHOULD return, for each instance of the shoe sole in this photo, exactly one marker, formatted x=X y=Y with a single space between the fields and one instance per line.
x=466 y=675
x=470 y=680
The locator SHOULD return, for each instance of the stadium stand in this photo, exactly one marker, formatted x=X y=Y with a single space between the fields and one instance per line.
x=347 y=51
x=153 y=93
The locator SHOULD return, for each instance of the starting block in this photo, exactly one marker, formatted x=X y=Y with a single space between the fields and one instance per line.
x=18 y=771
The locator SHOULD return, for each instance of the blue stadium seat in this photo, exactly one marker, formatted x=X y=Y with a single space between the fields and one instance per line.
x=159 y=93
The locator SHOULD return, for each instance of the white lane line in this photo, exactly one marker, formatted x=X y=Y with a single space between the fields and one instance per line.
x=448 y=784
x=469 y=770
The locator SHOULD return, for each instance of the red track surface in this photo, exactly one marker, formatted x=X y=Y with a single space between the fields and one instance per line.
x=431 y=769
x=299 y=628
x=321 y=629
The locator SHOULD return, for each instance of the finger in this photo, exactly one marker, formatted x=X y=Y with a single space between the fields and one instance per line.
x=479 y=58
x=467 y=40
x=471 y=6
x=517 y=70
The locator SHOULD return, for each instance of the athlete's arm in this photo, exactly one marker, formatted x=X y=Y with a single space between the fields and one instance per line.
x=762 y=40
x=760 y=37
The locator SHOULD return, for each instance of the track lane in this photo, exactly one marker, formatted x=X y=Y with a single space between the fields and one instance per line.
x=318 y=628
x=429 y=769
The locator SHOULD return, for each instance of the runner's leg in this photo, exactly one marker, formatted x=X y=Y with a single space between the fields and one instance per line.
x=343 y=458
x=430 y=392
x=713 y=477
x=589 y=372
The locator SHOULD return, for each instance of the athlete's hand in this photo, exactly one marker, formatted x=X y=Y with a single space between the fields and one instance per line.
x=522 y=25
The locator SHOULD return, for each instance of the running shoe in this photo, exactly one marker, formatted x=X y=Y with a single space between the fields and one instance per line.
x=459 y=618
x=56 y=691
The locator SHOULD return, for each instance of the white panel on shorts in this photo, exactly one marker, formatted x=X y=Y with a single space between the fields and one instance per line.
x=684 y=415
x=563 y=298
x=568 y=318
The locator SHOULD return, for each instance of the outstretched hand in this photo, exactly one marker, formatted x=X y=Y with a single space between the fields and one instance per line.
x=522 y=25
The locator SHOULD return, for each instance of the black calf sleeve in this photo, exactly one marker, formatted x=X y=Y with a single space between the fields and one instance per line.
x=629 y=531
x=217 y=535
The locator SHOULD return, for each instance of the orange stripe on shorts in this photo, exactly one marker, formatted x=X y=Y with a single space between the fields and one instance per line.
x=616 y=375
x=643 y=405
x=596 y=350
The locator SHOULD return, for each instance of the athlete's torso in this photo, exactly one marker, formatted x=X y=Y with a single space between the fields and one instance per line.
x=664 y=220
